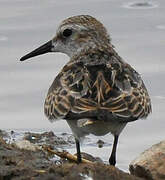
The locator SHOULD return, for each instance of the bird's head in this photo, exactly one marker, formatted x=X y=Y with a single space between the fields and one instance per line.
x=73 y=35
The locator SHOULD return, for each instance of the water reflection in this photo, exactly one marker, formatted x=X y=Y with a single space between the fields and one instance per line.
x=143 y=4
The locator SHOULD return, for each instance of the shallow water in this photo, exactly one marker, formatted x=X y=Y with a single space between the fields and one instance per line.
x=138 y=35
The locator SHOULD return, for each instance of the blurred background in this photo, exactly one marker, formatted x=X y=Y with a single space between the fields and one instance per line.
x=137 y=29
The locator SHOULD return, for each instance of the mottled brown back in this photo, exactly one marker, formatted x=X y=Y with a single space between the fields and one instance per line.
x=98 y=84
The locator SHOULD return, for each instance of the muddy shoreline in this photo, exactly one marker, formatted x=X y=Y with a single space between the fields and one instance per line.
x=26 y=159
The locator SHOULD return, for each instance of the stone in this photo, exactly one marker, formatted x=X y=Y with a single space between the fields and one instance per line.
x=3 y=134
x=48 y=138
x=100 y=143
x=26 y=145
x=151 y=163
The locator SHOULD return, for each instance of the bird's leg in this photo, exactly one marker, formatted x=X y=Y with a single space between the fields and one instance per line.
x=112 y=159
x=78 y=151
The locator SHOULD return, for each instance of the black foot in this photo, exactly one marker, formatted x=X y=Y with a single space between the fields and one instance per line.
x=112 y=160
x=79 y=160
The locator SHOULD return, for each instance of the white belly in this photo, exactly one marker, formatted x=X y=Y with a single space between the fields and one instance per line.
x=99 y=128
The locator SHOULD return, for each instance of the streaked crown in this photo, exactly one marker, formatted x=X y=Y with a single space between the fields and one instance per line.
x=89 y=23
x=78 y=32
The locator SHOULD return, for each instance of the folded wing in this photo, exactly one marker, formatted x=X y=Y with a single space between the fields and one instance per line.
x=89 y=88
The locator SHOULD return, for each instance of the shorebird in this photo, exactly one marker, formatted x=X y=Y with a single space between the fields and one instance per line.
x=96 y=92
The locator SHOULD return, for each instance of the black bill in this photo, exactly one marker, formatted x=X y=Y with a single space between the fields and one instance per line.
x=41 y=50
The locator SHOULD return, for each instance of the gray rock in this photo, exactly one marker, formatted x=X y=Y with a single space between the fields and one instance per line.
x=48 y=138
x=26 y=145
x=90 y=157
x=151 y=163
x=3 y=134
x=100 y=143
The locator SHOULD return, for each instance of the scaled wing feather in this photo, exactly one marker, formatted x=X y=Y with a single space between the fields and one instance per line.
x=111 y=86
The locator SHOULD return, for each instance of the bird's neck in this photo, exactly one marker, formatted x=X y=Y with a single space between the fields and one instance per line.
x=93 y=53
x=91 y=46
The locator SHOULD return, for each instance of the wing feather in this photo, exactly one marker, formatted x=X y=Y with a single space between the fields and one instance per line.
x=111 y=87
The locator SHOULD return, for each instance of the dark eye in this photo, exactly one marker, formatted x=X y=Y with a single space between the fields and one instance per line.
x=67 y=32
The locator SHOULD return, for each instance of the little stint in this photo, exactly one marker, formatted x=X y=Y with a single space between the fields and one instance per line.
x=96 y=92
